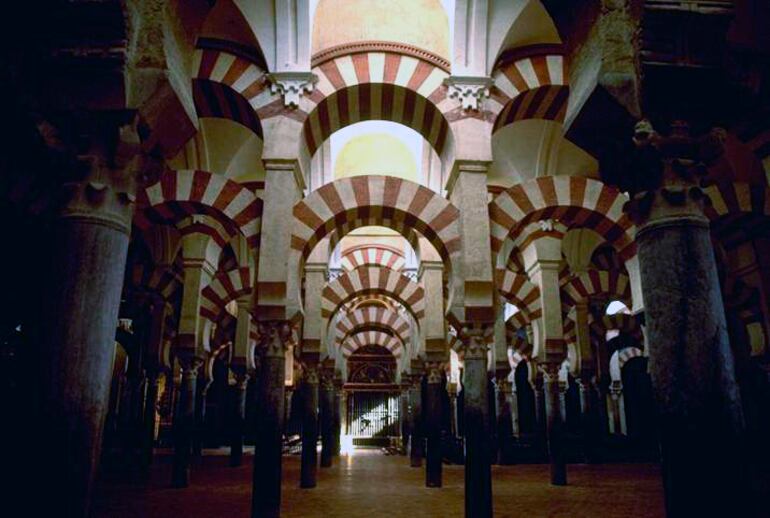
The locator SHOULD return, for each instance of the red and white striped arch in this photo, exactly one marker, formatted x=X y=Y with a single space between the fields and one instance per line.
x=350 y=203
x=583 y=286
x=364 y=338
x=373 y=255
x=243 y=76
x=376 y=280
x=184 y=193
x=157 y=279
x=571 y=200
x=517 y=289
x=224 y=288
x=373 y=317
x=378 y=85
x=620 y=358
x=530 y=86
x=737 y=198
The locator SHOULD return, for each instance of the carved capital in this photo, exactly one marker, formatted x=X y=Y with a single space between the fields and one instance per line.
x=190 y=365
x=469 y=90
x=670 y=170
x=292 y=85
x=550 y=372
x=274 y=336
x=474 y=341
x=310 y=374
x=434 y=371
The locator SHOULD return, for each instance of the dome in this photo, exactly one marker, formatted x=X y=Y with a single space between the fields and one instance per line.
x=420 y=23
x=376 y=153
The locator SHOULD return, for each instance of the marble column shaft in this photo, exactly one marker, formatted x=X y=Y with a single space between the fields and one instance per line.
x=554 y=423
x=184 y=421
x=433 y=418
x=691 y=364
x=327 y=401
x=309 y=460
x=239 y=418
x=417 y=439
x=266 y=483
x=89 y=249
x=478 y=471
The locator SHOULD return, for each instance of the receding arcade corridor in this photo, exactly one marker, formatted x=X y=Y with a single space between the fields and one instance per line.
x=373 y=485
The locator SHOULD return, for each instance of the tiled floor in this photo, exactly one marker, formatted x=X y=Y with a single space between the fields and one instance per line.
x=371 y=485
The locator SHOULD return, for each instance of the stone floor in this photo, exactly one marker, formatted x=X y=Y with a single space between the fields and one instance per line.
x=372 y=485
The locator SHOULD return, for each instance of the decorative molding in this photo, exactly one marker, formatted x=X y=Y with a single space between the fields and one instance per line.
x=379 y=46
x=292 y=85
x=469 y=90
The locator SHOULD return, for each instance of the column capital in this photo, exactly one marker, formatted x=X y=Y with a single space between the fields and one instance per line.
x=550 y=371
x=435 y=371
x=669 y=173
x=292 y=85
x=469 y=90
x=274 y=336
x=474 y=338
x=310 y=373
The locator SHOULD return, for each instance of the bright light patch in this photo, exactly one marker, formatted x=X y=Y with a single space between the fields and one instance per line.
x=615 y=307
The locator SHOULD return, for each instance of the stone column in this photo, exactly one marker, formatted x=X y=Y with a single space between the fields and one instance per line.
x=89 y=247
x=589 y=403
x=309 y=426
x=200 y=254
x=452 y=391
x=434 y=388
x=239 y=416
x=327 y=402
x=478 y=471
x=537 y=392
x=554 y=425
x=504 y=424
x=417 y=439
x=691 y=364
x=513 y=403
x=617 y=409
x=563 y=388
x=241 y=364
x=201 y=406
x=184 y=419
x=149 y=421
x=266 y=488
x=340 y=407
x=404 y=417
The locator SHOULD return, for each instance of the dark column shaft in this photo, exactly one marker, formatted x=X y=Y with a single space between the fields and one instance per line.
x=77 y=346
x=691 y=367
x=433 y=414
x=184 y=425
x=309 y=466
x=478 y=474
x=554 y=424
x=266 y=488
x=590 y=418
x=327 y=423
x=239 y=419
x=503 y=416
x=337 y=412
x=148 y=434
x=417 y=439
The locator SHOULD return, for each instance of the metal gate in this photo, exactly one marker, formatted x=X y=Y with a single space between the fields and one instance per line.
x=373 y=414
